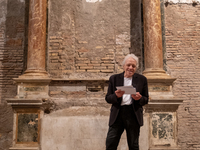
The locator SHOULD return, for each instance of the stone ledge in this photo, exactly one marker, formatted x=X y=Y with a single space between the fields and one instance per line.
x=166 y=101
x=162 y=148
x=32 y=80
x=79 y=79
x=24 y=102
x=182 y=1
x=81 y=111
x=24 y=148
x=169 y=105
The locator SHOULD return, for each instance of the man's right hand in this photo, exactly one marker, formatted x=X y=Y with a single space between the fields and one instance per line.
x=119 y=93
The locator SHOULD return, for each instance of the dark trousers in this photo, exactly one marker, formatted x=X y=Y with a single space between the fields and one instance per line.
x=126 y=120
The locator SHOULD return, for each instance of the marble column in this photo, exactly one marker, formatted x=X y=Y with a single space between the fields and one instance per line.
x=153 y=53
x=36 y=39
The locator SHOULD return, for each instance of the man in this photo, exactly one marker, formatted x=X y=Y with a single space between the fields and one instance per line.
x=126 y=111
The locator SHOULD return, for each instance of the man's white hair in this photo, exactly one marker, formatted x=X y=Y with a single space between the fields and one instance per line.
x=130 y=56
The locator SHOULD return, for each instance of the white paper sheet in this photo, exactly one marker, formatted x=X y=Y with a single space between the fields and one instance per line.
x=127 y=89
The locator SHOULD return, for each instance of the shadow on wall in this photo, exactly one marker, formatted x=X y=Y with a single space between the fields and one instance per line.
x=136 y=39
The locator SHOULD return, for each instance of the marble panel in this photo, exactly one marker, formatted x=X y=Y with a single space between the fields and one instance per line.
x=163 y=129
x=27 y=127
x=85 y=132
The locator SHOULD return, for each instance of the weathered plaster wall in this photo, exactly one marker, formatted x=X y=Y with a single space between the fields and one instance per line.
x=82 y=128
x=182 y=22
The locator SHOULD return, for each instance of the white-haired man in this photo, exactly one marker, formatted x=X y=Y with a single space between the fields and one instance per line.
x=126 y=110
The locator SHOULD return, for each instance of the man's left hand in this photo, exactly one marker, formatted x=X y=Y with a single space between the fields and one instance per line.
x=136 y=96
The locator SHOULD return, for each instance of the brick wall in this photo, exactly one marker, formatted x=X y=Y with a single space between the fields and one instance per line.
x=183 y=57
x=91 y=38
x=75 y=49
x=11 y=46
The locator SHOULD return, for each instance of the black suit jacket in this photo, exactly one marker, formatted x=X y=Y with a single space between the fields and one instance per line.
x=140 y=83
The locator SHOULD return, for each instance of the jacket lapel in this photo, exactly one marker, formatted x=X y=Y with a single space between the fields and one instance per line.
x=121 y=79
x=134 y=80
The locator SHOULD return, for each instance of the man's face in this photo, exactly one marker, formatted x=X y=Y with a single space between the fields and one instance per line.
x=129 y=67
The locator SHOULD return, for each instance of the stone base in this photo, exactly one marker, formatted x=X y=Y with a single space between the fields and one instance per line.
x=32 y=88
x=158 y=76
x=69 y=130
x=34 y=74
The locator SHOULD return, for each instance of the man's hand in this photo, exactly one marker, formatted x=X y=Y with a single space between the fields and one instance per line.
x=136 y=96
x=119 y=93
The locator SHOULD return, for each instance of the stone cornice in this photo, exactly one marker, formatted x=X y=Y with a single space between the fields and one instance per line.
x=182 y=1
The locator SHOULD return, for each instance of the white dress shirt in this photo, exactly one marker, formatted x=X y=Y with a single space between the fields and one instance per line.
x=126 y=99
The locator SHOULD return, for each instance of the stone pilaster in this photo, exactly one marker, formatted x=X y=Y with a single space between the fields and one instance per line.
x=33 y=85
x=163 y=104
